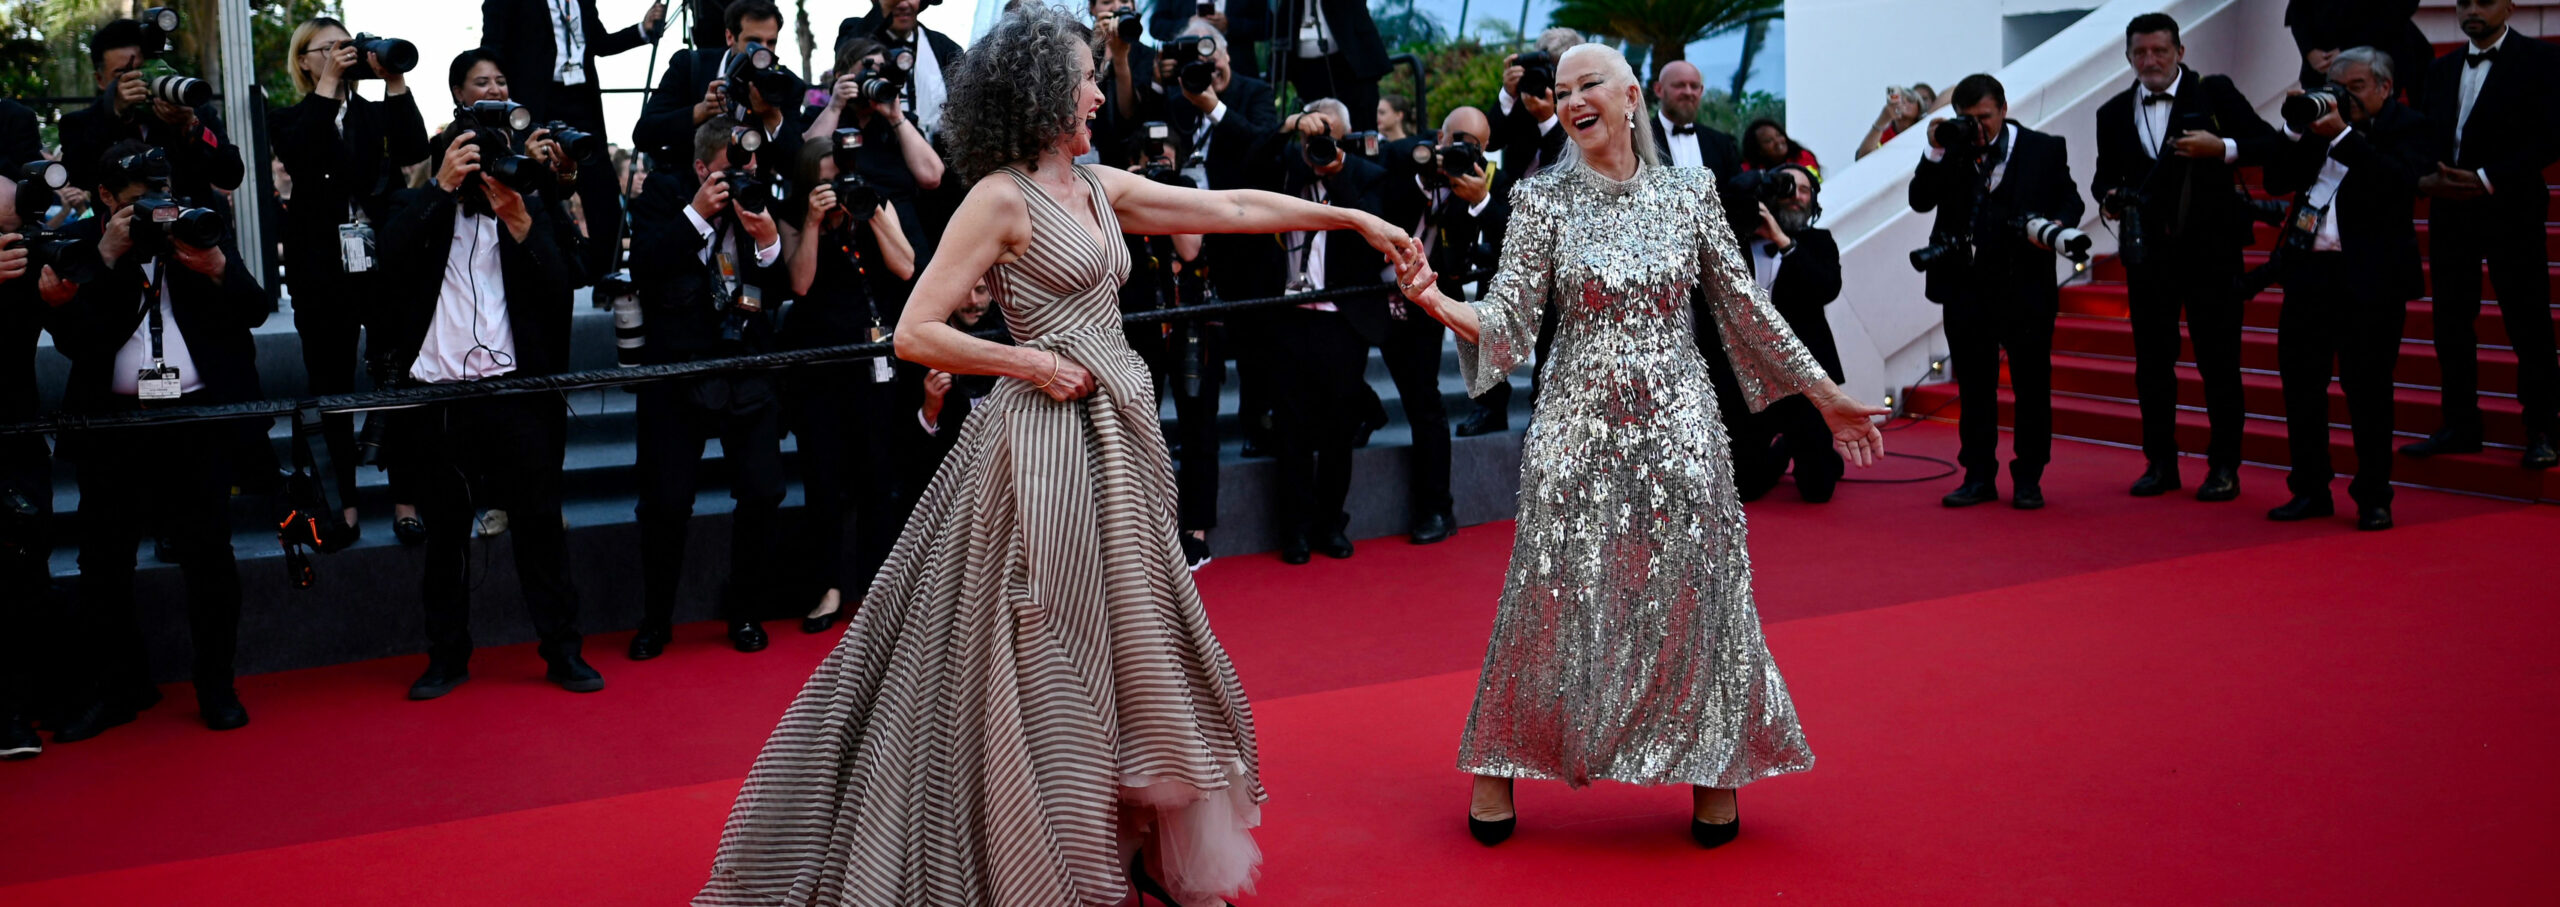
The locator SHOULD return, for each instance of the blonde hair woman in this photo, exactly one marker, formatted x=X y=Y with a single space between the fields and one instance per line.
x=1626 y=646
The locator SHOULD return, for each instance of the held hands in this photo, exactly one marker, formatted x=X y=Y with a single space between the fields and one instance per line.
x=1853 y=429
x=1063 y=380
x=2199 y=144
x=461 y=160
x=1414 y=275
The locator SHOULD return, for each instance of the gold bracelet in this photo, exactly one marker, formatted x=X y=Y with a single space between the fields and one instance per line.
x=1053 y=371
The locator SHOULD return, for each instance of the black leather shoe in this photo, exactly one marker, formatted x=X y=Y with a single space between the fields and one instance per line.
x=1711 y=835
x=2156 y=481
x=2027 y=497
x=92 y=720
x=1483 y=421
x=2373 y=519
x=221 y=710
x=650 y=642
x=411 y=531
x=2303 y=507
x=1195 y=552
x=1434 y=527
x=18 y=740
x=1294 y=549
x=573 y=674
x=439 y=680
x=1334 y=545
x=1971 y=493
x=1489 y=832
x=2445 y=441
x=748 y=636
x=2539 y=452
x=2219 y=485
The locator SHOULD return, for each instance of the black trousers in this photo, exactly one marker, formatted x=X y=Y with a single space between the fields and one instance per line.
x=26 y=576
x=501 y=453
x=1330 y=77
x=2327 y=319
x=1789 y=431
x=1319 y=417
x=176 y=478
x=325 y=316
x=1412 y=351
x=1261 y=375
x=848 y=429
x=675 y=419
x=1195 y=411
x=1979 y=328
x=583 y=107
x=2197 y=283
x=2465 y=233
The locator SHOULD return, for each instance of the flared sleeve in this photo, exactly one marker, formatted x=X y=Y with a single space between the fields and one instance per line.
x=1517 y=295
x=1768 y=361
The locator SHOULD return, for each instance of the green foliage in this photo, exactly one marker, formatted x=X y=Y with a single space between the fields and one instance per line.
x=1463 y=74
x=1669 y=26
x=1727 y=114
x=271 y=25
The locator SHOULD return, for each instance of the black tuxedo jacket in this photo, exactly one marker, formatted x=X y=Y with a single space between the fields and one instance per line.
x=199 y=159
x=1516 y=137
x=520 y=30
x=2514 y=131
x=1248 y=25
x=1355 y=36
x=2191 y=201
x=214 y=318
x=675 y=286
x=2384 y=157
x=1718 y=151
x=332 y=168
x=1464 y=242
x=1241 y=266
x=538 y=272
x=2038 y=182
x=666 y=123
x=1808 y=280
x=20 y=142
x=1348 y=259
x=946 y=52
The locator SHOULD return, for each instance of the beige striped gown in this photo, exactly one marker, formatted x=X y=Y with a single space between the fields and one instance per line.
x=1031 y=689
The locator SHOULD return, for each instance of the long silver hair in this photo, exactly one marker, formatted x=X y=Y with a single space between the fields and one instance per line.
x=1614 y=66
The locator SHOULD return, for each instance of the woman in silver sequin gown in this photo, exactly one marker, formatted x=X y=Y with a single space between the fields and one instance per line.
x=1626 y=646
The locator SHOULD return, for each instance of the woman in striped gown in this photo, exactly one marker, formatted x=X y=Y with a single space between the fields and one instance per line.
x=1030 y=695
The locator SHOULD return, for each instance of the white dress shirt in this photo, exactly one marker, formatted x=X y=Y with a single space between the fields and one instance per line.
x=2151 y=121
x=135 y=355
x=2473 y=77
x=1306 y=254
x=1684 y=148
x=925 y=92
x=766 y=254
x=1765 y=261
x=1199 y=172
x=568 y=42
x=470 y=337
x=2324 y=194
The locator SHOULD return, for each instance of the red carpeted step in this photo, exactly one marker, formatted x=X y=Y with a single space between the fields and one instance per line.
x=2266 y=239
x=2418 y=364
x=2494 y=472
x=2417 y=409
x=2108 y=300
x=2111 y=270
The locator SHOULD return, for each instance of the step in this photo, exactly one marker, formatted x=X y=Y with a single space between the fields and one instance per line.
x=2493 y=472
x=2417 y=410
x=2111 y=270
x=2266 y=235
x=2108 y=300
x=2424 y=207
x=2417 y=367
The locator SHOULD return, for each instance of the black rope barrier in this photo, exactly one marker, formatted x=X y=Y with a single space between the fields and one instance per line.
x=406 y=397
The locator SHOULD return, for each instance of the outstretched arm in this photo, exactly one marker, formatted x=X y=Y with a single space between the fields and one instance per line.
x=1149 y=208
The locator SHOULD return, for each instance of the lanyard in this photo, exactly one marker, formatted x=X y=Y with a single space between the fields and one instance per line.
x=151 y=309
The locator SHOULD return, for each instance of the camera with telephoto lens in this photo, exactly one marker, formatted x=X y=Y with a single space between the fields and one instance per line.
x=160 y=219
x=630 y=328
x=184 y=91
x=1537 y=73
x=2125 y=205
x=758 y=67
x=1945 y=250
x=1195 y=58
x=499 y=129
x=1437 y=163
x=853 y=193
x=579 y=143
x=1959 y=136
x=2269 y=211
x=2301 y=110
x=1320 y=149
x=2056 y=236
x=398 y=57
x=74 y=260
x=1747 y=191
x=158 y=24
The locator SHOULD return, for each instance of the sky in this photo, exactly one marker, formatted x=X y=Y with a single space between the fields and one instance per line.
x=444 y=29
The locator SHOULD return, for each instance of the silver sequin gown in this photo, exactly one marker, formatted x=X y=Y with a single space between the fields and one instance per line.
x=1627 y=646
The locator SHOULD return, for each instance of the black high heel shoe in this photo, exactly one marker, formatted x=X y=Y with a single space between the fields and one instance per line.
x=1147 y=885
x=1496 y=831
x=1711 y=835
x=821 y=623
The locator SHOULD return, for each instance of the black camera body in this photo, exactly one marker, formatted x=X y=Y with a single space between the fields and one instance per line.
x=752 y=192
x=1945 y=250
x=159 y=218
x=2301 y=110
x=1438 y=163
x=397 y=55
x=581 y=144
x=759 y=68
x=883 y=83
x=1537 y=72
x=1747 y=191
x=853 y=193
x=1320 y=149
x=1196 y=60
x=158 y=24
x=499 y=129
x=1960 y=136
x=1124 y=20
x=2125 y=205
x=74 y=260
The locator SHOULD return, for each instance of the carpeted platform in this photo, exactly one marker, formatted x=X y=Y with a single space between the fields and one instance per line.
x=2108 y=701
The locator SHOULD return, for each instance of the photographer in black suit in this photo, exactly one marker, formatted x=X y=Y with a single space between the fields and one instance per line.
x=2322 y=28
x=1324 y=346
x=1986 y=177
x=201 y=156
x=1331 y=49
x=164 y=323
x=1458 y=211
x=1187 y=357
x=2494 y=121
x=1530 y=139
x=481 y=275
x=1226 y=127
x=893 y=24
x=1683 y=141
x=2350 y=267
x=1798 y=265
x=530 y=36
x=706 y=255
x=2166 y=151
x=1240 y=24
x=26 y=477
x=696 y=88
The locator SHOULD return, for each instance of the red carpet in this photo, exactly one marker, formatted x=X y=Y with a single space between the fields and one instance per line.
x=2109 y=701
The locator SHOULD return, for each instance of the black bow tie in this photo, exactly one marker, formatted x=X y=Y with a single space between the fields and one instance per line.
x=1690 y=129
x=2475 y=59
x=2161 y=97
x=1770 y=248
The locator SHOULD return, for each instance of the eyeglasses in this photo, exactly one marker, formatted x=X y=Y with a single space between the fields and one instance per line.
x=330 y=48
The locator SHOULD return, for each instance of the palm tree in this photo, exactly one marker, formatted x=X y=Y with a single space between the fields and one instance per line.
x=1668 y=26
x=1400 y=24
x=1754 y=37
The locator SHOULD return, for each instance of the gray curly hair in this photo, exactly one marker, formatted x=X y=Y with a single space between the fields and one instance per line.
x=1015 y=94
